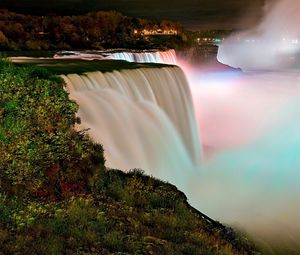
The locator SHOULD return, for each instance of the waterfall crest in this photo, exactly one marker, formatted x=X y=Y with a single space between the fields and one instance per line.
x=146 y=56
x=143 y=117
x=165 y=57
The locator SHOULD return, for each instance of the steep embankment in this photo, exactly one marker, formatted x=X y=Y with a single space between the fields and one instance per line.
x=56 y=196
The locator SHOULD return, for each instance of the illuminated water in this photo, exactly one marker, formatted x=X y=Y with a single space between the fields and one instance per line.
x=166 y=57
x=144 y=118
x=260 y=169
x=146 y=56
x=249 y=126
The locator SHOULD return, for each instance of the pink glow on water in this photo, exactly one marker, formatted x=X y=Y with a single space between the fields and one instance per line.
x=234 y=109
x=249 y=131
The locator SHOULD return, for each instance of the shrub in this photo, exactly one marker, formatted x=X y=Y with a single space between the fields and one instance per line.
x=33 y=45
x=41 y=152
x=114 y=241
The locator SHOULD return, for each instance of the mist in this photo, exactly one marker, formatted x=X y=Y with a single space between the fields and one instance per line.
x=250 y=132
x=274 y=43
x=249 y=124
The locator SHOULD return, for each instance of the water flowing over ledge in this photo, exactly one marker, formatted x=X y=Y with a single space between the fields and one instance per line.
x=165 y=57
x=144 y=118
x=144 y=56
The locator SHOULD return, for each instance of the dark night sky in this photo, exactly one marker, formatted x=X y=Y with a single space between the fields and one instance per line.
x=192 y=14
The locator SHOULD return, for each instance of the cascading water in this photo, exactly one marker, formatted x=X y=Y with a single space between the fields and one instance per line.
x=165 y=57
x=144 y=118
x=151 y=56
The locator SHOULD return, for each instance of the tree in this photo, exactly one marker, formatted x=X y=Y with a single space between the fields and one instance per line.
x=3 y=39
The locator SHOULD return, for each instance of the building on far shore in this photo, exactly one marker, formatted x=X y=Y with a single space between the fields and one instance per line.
x=159 y=32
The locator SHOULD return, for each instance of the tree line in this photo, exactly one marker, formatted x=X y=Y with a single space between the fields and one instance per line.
x=96 y=30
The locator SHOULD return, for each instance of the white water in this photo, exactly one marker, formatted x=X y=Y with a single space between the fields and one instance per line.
x=144 y=118
x=165 y=57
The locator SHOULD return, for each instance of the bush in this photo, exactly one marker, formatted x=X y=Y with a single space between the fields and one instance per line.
x=114 y=241
x=33 y=45
x=41 y=152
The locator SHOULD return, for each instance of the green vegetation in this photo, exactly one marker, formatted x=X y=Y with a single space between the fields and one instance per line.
x=57 y=197
x=40 y=150
x=127 y=213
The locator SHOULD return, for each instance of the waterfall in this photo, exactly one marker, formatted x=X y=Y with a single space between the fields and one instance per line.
x=145 y=56
x=168 y=57
x=143 y=117
x=165 y=57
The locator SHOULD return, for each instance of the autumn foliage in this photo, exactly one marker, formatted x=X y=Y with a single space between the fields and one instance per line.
x=95 y=30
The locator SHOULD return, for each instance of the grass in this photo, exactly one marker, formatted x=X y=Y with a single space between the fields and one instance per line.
x=100 y=223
